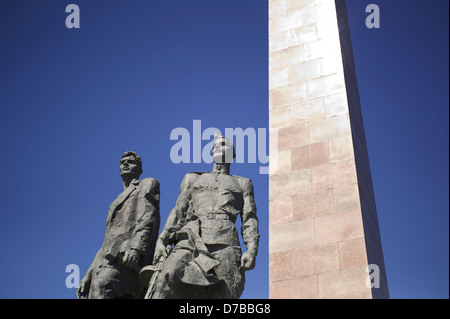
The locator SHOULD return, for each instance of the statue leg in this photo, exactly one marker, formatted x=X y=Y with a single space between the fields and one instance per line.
x=168 y=284
x=103 y=283
x=229 y=272
x=113 y=282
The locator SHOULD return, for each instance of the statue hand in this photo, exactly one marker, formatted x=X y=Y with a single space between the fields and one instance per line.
x=83 y=290
x=162 y=251
x=131 y=259
x=248 y=261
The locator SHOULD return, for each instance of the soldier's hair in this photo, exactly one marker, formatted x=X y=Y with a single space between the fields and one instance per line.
x=137 y=157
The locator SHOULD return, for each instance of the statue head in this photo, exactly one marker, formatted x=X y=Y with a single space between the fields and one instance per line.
x=223 y=149
x=130 y=165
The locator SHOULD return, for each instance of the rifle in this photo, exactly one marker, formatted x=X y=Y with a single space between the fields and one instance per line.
x=148 y=276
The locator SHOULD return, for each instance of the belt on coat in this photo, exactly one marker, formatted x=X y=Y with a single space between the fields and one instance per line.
x=218 y=215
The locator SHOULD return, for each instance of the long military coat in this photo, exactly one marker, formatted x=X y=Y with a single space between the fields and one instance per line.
x=132 y=224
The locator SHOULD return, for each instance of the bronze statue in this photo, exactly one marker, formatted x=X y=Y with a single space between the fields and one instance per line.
x=132 y=227
x=198 y=254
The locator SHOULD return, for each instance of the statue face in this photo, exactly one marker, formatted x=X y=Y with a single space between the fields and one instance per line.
x=129 y=167
x=222 y=151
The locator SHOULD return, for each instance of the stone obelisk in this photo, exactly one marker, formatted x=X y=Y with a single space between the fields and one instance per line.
x=323 y=228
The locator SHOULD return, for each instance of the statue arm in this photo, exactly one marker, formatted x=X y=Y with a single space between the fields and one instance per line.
x=148 y=217
x=176 y=219
x=250 y=234
x=85 y=284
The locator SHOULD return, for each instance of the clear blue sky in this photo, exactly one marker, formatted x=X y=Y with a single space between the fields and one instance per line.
x=74 y=100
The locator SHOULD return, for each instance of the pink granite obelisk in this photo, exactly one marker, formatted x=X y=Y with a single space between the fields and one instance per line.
x=323 y=227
